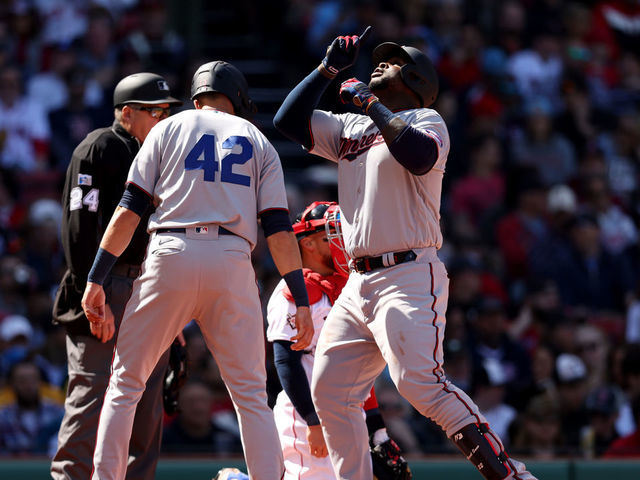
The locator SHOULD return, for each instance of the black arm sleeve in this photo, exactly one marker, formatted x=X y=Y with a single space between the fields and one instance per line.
x=135 y=199
x=293 y=118
x=294 y=380
x=274 y=221
x=414 y=150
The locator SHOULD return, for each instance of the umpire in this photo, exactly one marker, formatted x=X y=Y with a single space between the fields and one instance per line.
x=93 y=187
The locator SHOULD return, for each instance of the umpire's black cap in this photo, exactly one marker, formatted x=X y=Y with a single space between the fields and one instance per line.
x=145 y=87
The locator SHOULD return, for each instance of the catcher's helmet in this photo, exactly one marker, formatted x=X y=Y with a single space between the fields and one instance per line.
x=418 y=73
x=143 y=87
x=222 y=77
x=312 y=219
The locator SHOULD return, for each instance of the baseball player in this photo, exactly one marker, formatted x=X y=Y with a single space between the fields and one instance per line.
x=211 y=174
x=303 y=446
x=93 y=187
x=391 y=159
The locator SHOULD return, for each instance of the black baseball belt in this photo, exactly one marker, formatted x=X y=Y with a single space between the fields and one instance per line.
x=126 y=270
x=367 y=264
x=221 y=230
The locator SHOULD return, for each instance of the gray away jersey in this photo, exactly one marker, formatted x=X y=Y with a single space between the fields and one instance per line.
x=384 y=207
x=206 y=166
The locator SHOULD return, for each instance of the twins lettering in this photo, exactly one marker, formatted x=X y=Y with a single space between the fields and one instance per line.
x=352 y=148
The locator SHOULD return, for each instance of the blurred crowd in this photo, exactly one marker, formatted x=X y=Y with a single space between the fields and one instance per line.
x=540 y=213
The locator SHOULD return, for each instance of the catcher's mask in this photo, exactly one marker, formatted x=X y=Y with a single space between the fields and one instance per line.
x=333 y=227
x=311 y=220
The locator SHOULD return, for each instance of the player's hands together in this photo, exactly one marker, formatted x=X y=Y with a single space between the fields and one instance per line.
x=315 y=438
x=93 y=302
x=356 y=92
x=304 y=327
x=104 y=331
x=343 y=52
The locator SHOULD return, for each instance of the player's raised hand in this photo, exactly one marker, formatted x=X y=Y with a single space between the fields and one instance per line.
x=93 y=301
x=356 y=92
x=304 y=327
x=343 y=52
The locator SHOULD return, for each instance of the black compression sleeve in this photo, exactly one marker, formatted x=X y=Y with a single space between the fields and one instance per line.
x=293 y=118
x=414 y=150
x=294 y=380
x=135 y=199
x=374 y=421
x=274 y=221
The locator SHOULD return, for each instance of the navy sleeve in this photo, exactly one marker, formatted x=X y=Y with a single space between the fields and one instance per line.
x=293 y=118
x=405 y=148
x=294 y=380
x=274 y=221
x=407 y=142
x=135 y=199
x=374 y=420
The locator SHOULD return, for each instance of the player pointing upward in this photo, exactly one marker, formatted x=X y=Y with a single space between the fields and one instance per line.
x=391 y=160
x=211 y=174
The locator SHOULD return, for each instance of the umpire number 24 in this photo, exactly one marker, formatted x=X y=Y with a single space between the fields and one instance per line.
x=203 y=157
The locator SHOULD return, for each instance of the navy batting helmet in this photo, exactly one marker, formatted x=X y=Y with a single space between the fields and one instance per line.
x=222 y=77
x=418 y=73
x=143 y=87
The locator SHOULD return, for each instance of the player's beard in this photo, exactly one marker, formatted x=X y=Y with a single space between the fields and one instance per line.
x=379 y=83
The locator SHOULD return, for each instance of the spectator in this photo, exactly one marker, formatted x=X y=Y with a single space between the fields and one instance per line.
x=603 y=407
x=193 y=430
x=538 y=70
x=28 y=425
x=617 y=230
x=593 y=348
x=490 y=343
x=488 y=391
x=538 y=431
x=481 y=191
x=541 y=147
x=571 y=375
x=588 y=275
x=24 y=128
x=629 y=445
x=518 y=231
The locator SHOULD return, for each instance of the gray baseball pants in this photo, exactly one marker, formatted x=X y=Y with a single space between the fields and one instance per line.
x=89 y=363
x=210 y=279
x=392 y=316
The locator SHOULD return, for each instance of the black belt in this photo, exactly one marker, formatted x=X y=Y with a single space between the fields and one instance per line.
x=126 y=270
x=221 y=230
x=367 y=264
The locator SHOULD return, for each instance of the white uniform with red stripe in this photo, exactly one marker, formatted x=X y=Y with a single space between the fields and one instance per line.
x=391 y=316
x=292 y=429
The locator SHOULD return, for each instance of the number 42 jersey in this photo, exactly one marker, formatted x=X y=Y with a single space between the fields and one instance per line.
x=206 y=166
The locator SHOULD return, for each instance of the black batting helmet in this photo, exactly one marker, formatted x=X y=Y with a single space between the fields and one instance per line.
x=222 y=77
x=418 y=73
x=144 y=87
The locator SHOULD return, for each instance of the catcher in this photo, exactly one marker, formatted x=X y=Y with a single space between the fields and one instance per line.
x=317 y=230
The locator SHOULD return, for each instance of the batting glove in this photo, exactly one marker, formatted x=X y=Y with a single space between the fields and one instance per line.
x=356 y=92
x=342 y=52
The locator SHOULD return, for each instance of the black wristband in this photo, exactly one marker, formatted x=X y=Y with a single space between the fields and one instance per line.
x=102 y=265
x=295 y=282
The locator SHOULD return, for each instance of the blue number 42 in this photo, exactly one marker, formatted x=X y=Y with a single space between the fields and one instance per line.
x=203 y=157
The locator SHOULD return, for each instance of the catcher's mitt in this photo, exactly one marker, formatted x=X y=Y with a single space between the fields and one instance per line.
x=388 y=463
x=174 y=377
